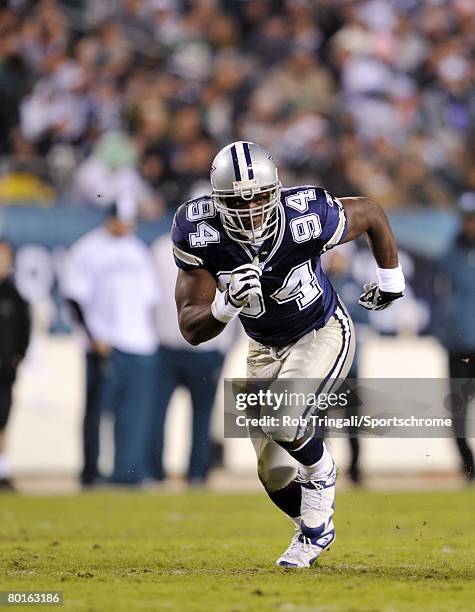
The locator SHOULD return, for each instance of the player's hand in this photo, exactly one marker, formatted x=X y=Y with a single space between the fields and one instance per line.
x=375 y=299
x=245 y=281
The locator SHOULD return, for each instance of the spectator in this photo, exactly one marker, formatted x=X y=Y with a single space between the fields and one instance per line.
x=196 y=368
x=24 y=175
x=454 y=322
x=392 y=76
x=110 y=172
x=14 y=338
x=112 y=286
x=300 y=83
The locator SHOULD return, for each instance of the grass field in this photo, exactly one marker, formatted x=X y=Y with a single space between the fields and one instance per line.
x=112 y=551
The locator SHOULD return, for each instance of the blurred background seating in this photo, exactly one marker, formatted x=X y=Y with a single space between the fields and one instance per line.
x=368 y=97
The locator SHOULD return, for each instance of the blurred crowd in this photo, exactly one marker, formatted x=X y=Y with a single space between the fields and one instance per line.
x=367 y=97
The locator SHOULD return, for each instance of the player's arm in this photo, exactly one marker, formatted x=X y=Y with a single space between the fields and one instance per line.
x=366 y=217
x=194 y=293
x=202 y=312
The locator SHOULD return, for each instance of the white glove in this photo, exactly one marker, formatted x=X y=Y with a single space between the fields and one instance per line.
x=245 y=281
x=375 y=299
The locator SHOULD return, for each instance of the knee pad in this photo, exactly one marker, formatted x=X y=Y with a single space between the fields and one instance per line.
x=291 y=437
x=281 y=433
x=277 y=477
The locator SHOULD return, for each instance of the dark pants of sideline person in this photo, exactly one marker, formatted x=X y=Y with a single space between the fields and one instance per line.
x=5 y=403
x=7 y=380
x=90 y=429
x=127 y=391
x=6 y=383
x=354 y=472
x=462 y=365
x=199 y=372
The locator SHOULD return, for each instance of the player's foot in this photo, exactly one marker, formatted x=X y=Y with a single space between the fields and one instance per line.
x=304 y=551
x=317 y=504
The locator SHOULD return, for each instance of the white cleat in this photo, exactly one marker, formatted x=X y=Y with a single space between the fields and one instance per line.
x=303 y=551
x=317 y=505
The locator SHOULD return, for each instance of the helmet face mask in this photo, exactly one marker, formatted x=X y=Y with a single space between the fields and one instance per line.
x=249 y=220
x=246 y=192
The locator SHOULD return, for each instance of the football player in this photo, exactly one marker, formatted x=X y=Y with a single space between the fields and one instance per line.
x=251 y=249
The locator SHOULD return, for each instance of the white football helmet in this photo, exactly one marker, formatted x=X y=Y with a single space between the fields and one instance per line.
x=246 y=191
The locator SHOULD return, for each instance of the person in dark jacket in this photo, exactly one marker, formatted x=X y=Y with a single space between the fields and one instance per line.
x=14 y=337
x=455 y=322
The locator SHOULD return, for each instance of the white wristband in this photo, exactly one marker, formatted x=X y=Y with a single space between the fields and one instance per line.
x=222 y=311
x=391 y=279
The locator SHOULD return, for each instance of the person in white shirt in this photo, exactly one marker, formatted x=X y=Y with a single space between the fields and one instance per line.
x=111 y=284
x=197 y=368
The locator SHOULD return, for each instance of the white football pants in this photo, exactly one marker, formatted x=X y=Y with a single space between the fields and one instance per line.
x=325 y=354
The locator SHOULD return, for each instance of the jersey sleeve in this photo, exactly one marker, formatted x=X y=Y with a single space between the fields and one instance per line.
x=335 y=224
x=183 y=253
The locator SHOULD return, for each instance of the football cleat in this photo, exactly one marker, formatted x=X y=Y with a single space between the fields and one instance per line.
x=304 y=551
x=317 y=505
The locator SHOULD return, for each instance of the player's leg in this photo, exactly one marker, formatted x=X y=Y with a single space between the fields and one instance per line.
x=276 y=469
x=324 y=355
x=277 y=472
x=315 y=493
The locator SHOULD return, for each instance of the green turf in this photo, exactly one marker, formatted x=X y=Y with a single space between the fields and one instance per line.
x=112 y=551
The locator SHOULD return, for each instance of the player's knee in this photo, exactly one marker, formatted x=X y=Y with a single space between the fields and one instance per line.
x=280 y=433
x=276 y=477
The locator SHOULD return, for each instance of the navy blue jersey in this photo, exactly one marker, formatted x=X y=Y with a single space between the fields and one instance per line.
x=297 y=296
